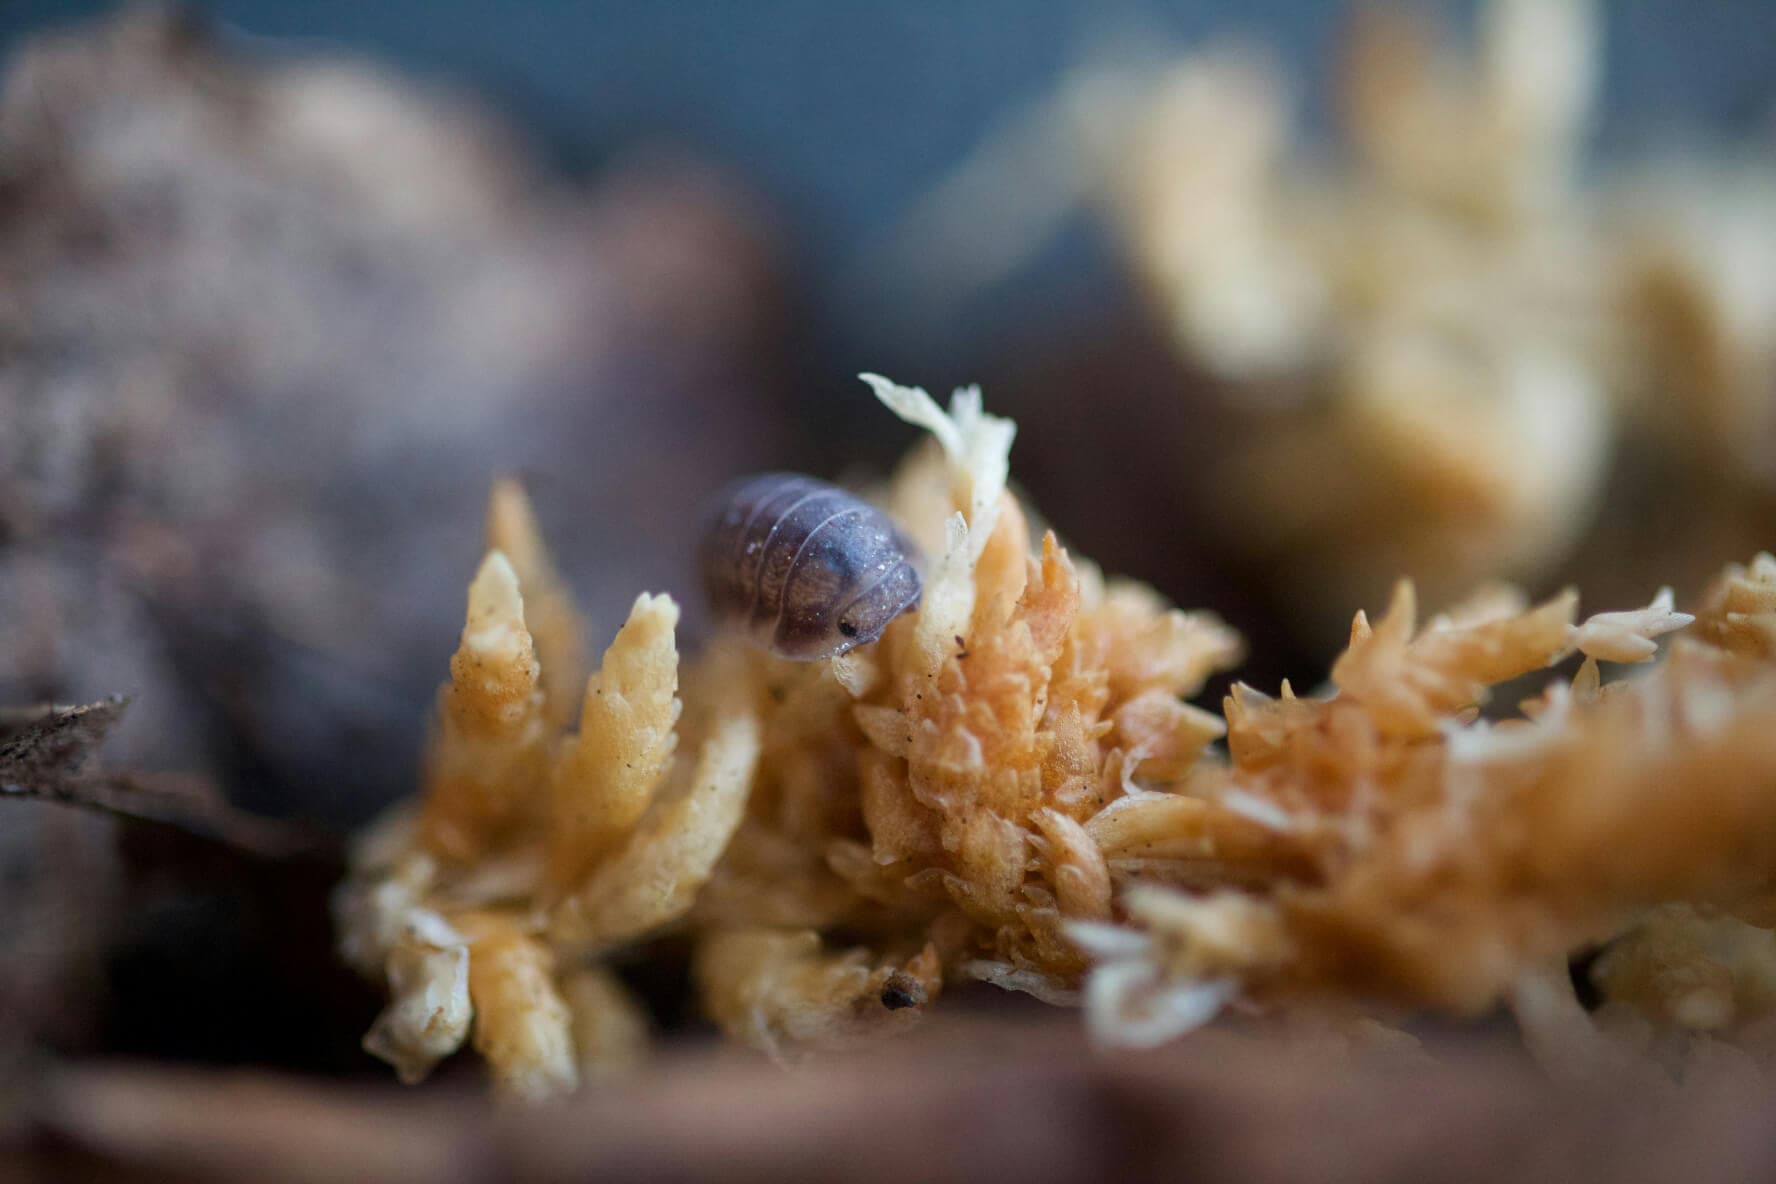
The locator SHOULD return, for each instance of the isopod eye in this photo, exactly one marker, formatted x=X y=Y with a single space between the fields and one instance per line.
x=847 y=628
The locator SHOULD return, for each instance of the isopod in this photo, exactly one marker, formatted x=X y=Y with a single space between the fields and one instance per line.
x=803 y=568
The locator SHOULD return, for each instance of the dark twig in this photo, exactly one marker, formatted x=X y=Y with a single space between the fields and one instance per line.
x=49 y=753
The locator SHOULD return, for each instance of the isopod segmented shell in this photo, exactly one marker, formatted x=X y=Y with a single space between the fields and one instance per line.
x=803 y=568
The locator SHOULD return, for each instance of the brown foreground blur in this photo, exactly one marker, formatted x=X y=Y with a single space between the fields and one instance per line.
x=957 y=1102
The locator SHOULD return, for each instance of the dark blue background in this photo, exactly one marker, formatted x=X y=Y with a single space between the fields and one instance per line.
x=842 y=113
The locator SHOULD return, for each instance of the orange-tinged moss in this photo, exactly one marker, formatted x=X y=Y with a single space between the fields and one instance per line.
x=1032 y=803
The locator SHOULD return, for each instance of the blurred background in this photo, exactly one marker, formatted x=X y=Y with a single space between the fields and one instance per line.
x=1290 y=300
x=843 y=115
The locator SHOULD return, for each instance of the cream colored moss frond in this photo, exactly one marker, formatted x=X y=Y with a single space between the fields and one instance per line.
x=1165 y=735
x=1179 y=972
x=653 y=877
x=605 y=776
x=1155 y=647
x=1629 y=636
x=1131 y=1001
x=978 y=448
x=1183 y=838
x=977 y=444
x=774 y=989
x=1081 y=877
x=610 y=1028
x=371 y=907
x=429 y=1009
x=549 y=610
x=1409 y=680
x=488 y=742
x=1739 y=610
x=523 y=1028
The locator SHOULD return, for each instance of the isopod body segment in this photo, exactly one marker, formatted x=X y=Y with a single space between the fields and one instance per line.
x=804 y=568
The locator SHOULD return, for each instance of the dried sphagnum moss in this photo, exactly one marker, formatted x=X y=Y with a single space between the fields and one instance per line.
x=532 y=851
x=1446 y=335
x=1009 y=787
x=1445 y=862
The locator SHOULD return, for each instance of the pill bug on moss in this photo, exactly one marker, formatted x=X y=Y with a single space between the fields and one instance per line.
x=804 y=568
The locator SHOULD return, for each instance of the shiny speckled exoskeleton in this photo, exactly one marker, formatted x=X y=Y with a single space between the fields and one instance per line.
x=804 y=568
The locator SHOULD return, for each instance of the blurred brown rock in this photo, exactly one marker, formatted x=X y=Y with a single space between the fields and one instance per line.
x=267 y=328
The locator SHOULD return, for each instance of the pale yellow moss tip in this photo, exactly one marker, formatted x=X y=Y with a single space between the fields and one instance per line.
x=496 y=607
x=495 y=585
x=656 y=608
